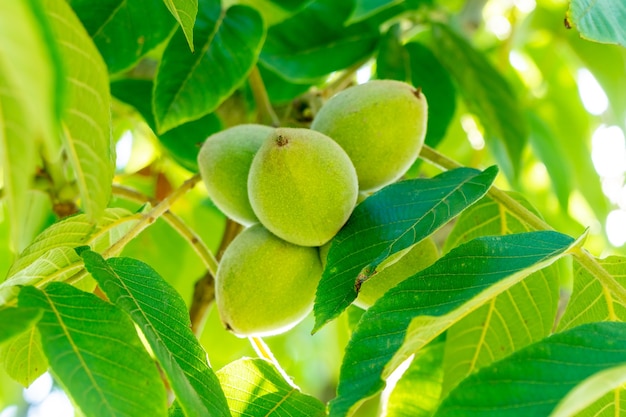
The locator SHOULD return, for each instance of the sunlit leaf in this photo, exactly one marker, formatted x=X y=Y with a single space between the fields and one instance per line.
x=184 y=11
x=314 y=42
x=30 y=66
x=191 y=85
x=417 y=393
x=23 y=358
x=423 y=306
x=599 y=20
x=387 y=222
x=87 y=115
x=254 y=387
x=533 y=380
x=17 y=156
x=521 y=315
x=51 y=256
x=487 y=94
x=590 y=300
x=108 y=25
x=95 y=353
x=14 y=321
x=138 y=289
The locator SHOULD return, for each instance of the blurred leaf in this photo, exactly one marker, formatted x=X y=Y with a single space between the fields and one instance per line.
x=17 y=157
x=428 y=74
x=184 y=11
x=366 y=8
x=22 y=357
x=599 y=20
x=392 y=60
x=593 y=392
x=226 y=46
x=533 y=380
x=95 y=352
x=30 y=72
x=183 y=142
x=108 y=23
x=568 y=121
x=393 y=219
x=314 y=42
x=421 y=307
x=51 y=256
x=417 y=393
x=521 y=315
x=279 y=89
x=14 y=321
x=87 y=117
x=551 y=153
x=139 y=290
x=590 y=300
x=487 y=94
x=254 y=387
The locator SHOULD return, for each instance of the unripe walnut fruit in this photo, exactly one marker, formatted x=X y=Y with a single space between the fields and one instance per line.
x=380 y=124
x=224 y=161
x=302 y=186
x=265 y=285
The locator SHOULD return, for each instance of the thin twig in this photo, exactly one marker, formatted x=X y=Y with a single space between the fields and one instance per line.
x=150 y=217
x=204 y=253
x=265 y=111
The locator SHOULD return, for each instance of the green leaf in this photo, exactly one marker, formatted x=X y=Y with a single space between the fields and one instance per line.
x=423 y=306
x=417 y=393
x=521 y=315
x=280 y=90
x=487 y=94
x=590 y=300
x=592 y=393
x=17 y=157
x=533 y=380
x=51 y=256
x=184 y=11
x=95 y=353
x=182 y=142
x=254 y=387
x=314 y=42
x=87 y=116
x=551 y=153
x=22 y=357
x=226 y=45
x=30 y=66
x=392 y=60
x=391 y=220
x=599 y=20
x=14 y=321
x=367 y=8
x=428 y=74
x=108 y=24
x=139 y=290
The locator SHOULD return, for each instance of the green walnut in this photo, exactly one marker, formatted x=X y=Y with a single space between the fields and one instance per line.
x=265 y=285
x=380 y=124
x=302 y=186
x=224 y=163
